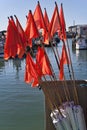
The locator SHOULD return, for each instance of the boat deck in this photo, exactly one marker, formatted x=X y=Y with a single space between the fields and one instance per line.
x=82 y=96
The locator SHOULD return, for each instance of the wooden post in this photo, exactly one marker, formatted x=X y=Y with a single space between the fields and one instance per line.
x=82 y=96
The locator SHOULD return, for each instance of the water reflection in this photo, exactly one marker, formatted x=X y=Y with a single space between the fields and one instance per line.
x=80 y=63
x=14 y=67
x=81 y=55
x=2 y=64
x=17 y=66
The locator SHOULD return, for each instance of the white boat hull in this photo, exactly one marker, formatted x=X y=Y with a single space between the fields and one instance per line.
x=81 y=44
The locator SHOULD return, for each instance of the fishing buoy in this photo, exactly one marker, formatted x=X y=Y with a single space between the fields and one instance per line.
x=70 y=112
x=61 y=122
x=56 y=120
x=66 y=124
x=79 y=115
x=59 y=125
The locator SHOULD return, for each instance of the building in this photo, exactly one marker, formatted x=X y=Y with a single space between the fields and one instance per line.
x=78 y=29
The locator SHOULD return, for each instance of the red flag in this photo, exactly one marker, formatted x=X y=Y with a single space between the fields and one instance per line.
x=31 y=74
x=43 y=62
x=31 y=29
x=64 y=60
x=62 y=20
x=46 y=19
x=22 y=39
x=10 y=48
x=40 y=22
x=65 y=55
x=55 y=22
x=38 y=17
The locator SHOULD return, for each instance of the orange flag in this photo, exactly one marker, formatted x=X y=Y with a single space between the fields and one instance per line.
x=31 y=29
x=43 y=62
x=10 y=48
x=38 y=17
x=31 y=74
x=40 y=22
x=22 y=39
x=46 y=19
x=55 y=22
x=62 y=20
x=64 y=60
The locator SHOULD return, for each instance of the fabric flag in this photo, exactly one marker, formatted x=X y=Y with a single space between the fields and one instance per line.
x=10 y=48
x=40 y=22
x=31 y=29
x=22 y=39
x=31 y=74
x=46 y=19
x=64 y=60
x=38 y=17
x=55 y=22
x=43 y=62
x=62 y=20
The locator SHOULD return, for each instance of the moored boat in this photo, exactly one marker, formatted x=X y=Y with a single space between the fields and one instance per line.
x=2 y=41
x=81 y=43
x=1 y=48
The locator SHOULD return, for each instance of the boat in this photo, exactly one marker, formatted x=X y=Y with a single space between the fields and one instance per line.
x=81 y=86
x=54 y=41
x=1 y=49
x=2 y=41
x=80 y=43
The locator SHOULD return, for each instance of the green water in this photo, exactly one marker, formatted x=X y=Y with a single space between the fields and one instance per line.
x=21 y=106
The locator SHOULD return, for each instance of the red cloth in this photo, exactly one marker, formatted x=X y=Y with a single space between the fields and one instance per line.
x=43 y=62
x=10 y=48
x=64 y=60
x=22 y=39
x=31 y=74
x=63 y=25
x=31 y=29
x=40 y=23
x=55 y=22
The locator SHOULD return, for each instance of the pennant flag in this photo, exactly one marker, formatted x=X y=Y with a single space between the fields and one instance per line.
x=22 y=39
x=43 y=62
x=31 y=29
x=31 y=74
x=46 y=19
x=38 y=17
x=40 y=22
x=10 y=48
x=64 y=60
x=55 y=22
x=63 y=25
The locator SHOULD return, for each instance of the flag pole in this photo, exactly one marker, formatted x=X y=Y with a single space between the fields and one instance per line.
x=75 y=91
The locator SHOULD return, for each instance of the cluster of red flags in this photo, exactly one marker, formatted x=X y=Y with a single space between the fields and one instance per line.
x=18 y=39
x=15 y=40
x=36 y=69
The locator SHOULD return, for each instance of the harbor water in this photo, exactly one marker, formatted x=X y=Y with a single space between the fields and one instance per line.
x=21 y=106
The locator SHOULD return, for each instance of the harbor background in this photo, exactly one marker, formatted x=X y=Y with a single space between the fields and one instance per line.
x=21 y=106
